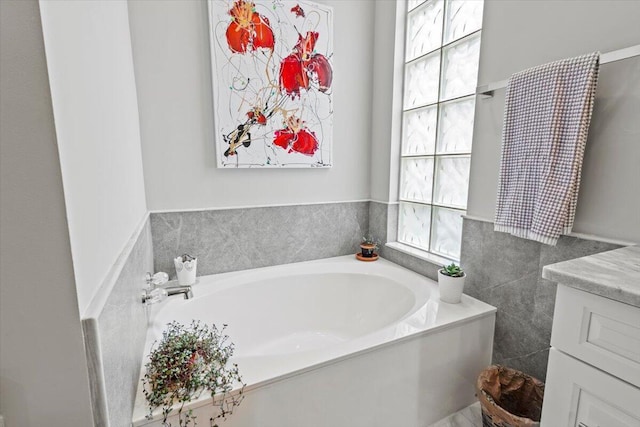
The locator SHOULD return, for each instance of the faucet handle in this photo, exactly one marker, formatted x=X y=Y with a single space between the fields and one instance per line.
x=154 y=295
x=160 y=278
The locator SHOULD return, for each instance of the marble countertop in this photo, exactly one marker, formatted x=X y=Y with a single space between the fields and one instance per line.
x=612 y=274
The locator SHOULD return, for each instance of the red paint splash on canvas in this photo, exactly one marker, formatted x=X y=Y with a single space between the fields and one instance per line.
x=305 y=65
x=248 y=29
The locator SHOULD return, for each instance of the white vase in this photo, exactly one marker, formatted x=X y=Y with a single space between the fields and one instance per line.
x=450 y=287
x=186 y=271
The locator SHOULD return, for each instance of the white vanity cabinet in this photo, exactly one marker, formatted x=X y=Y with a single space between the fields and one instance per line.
x=593 y=375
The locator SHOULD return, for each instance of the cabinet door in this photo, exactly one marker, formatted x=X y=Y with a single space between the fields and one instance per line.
x=594 y=411
x=602 y=332
x=579 y=395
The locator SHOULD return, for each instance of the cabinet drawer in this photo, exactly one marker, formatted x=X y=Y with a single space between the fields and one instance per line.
x=599 y=331
x=579 y=395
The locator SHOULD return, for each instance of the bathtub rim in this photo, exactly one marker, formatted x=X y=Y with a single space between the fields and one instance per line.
x=421 y=288
x=141 y=410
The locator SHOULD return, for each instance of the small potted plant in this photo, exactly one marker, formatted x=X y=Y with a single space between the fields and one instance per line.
x=369 y=246
x=451 y=283
x=188 y=361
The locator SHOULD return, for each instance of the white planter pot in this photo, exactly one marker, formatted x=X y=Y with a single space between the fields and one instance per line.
x=450 y=287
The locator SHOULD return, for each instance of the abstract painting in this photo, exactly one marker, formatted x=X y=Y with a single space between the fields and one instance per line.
x=272 y=83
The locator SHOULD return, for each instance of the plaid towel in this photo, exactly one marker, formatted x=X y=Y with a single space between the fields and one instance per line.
x=546 y=119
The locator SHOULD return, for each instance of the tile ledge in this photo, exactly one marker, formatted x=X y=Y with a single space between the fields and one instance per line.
x=584 y=236
x=102 y=292
x=417 y=253
x=274 y=205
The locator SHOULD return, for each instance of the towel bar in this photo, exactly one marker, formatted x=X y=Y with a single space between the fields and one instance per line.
x=486 y=91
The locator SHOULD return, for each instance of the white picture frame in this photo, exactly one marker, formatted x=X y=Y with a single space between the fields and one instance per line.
x=272 y=77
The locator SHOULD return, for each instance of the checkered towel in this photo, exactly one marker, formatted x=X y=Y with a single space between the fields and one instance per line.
x=546 y=119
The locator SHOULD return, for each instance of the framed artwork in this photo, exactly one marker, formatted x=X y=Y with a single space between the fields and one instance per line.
x=272 y=83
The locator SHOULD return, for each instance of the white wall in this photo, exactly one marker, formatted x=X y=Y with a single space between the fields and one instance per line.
x=95 y=106
x=520 y=34
x=172 y=64
x=43 y=370
x=387 y=63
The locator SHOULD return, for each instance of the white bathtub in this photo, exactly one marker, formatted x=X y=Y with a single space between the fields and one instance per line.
x=338 y=342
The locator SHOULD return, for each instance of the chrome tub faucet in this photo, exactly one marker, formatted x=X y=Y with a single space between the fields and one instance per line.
x=177 y=290
x=155 y=293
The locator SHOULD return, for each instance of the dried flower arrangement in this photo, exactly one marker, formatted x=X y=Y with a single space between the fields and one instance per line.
x=188 y=361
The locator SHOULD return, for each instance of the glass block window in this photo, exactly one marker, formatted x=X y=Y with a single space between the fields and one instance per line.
x=442 y=50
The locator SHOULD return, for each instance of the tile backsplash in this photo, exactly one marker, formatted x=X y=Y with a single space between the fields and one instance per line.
x=505 y=271
x=115 y=336
x=239 y=239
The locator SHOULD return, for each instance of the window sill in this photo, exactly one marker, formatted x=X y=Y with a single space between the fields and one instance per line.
x=418 y=253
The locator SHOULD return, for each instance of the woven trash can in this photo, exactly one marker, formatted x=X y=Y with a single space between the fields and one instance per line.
x=509 y=398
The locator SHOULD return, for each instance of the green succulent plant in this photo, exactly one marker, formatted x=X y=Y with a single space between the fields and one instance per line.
x=452 y=270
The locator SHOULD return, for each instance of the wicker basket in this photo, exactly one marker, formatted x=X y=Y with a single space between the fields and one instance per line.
x=509 y=398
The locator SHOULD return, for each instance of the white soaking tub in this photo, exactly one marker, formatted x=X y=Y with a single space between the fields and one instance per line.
x=337 y=342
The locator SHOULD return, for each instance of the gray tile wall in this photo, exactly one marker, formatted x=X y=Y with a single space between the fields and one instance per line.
x=379 y=223
x=115 y=338
x=505 y=271
x=239 y=239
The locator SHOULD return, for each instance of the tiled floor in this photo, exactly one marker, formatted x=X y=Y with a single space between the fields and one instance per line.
x=471 y=416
